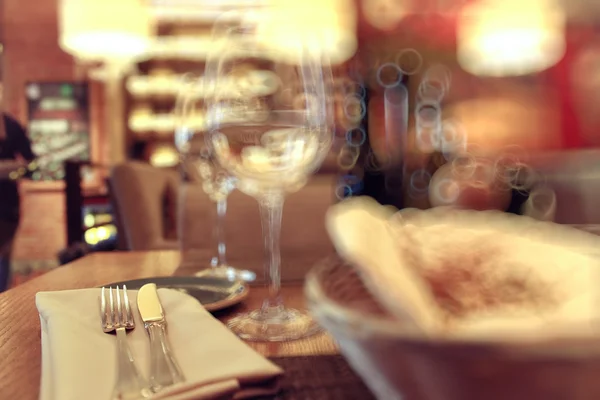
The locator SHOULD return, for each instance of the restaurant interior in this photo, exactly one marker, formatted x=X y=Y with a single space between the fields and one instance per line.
x=462 y=114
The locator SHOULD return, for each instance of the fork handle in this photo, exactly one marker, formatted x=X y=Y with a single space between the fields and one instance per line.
x=164 y=370
x=130 y=384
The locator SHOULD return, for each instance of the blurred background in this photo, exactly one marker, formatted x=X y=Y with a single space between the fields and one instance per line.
x=87 y=111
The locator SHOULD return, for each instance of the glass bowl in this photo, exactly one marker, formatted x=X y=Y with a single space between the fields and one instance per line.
x=397 y=363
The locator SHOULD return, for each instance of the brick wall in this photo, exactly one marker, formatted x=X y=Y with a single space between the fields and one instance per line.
x=31 y=50
x=31 y=53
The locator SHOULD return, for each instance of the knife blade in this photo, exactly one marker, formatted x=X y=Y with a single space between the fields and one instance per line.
x=164 y=370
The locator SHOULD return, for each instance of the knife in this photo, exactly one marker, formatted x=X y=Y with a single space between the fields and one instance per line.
x=164 y=370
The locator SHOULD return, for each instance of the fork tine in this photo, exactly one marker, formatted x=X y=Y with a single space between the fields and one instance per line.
x=128 y=314
x=111 y=306
x=103 y=307
x=119 y=310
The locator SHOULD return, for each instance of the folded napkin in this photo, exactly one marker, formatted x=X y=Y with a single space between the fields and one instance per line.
x=79 y=360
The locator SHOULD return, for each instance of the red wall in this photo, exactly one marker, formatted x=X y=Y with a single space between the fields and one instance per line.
x=575 y=132
x=440 y=32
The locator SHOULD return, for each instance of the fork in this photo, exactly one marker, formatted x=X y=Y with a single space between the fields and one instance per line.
x=116 y=316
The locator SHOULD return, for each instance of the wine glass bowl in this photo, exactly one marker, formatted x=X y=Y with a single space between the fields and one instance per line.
x=273 y=159
x=269 y=141
x=270 y=146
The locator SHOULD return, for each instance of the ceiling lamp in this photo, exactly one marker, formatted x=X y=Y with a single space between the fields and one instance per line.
x=198 y=11
x=510 y=37
x=385 y=14
x=105 y=29
x=322 y=27
x=117 y=32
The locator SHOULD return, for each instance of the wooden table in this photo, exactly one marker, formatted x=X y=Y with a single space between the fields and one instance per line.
x=20 y=350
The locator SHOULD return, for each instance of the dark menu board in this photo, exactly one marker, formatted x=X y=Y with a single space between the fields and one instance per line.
x=58 y=126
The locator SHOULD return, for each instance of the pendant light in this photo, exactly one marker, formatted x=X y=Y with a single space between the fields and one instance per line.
x=116 y=32
x=105 y=29
x=325 y=27
x=510 y=37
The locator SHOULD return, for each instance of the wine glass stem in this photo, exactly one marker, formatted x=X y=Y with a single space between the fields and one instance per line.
x=220 y=232
x=271 y=208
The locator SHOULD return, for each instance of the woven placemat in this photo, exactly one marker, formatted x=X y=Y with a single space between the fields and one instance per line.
x=319 y=378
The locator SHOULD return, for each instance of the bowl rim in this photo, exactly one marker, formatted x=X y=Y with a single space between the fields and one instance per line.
x=368 y=324
x=332 y=308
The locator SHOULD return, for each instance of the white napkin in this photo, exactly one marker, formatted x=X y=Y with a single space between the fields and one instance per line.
x=79 y=360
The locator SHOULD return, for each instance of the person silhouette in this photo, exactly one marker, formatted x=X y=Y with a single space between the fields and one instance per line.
x=15 y=155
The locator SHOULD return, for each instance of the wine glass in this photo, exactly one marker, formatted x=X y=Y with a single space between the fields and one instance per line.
x=271 y=132
x=197 y=161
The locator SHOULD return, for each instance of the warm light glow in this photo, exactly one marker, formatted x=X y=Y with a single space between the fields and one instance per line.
x=164 y=156
x=144 y=121
x=492 y=123
x=198 y=11
x=385 y=14
x=510 y=37
x=253 y=83
x=321 y=27
x=89 y=221
x=101 y=29
x=96 y=235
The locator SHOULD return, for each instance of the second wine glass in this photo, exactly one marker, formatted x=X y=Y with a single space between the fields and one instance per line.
x=198 y=166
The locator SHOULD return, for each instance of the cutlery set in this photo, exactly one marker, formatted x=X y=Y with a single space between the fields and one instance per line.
x=116 y=316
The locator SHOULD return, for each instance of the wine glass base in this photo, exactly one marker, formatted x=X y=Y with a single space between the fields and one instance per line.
x=282 y=325
x=229 y=273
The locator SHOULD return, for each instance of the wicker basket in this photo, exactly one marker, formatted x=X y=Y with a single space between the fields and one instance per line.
x=397 y=364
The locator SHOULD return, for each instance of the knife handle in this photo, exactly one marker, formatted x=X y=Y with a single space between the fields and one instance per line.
x=164 y=370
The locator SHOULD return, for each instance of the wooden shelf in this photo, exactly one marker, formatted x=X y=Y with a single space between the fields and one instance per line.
x=177 y=65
